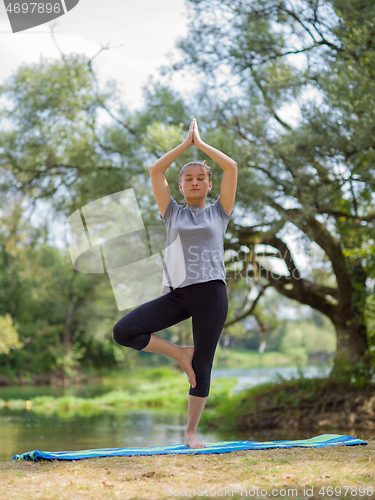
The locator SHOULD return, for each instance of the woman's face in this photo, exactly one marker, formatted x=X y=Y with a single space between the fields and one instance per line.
x=194 y=182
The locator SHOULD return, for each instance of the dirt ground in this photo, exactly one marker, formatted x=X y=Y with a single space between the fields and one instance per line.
x=339 y=472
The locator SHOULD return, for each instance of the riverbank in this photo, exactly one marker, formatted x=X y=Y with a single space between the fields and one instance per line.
x=300 y=403
x=224 y=358
x=340 y=472
x=162 y=387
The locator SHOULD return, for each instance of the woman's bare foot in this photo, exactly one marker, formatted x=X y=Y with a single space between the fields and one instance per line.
x=186 y=364
x=192 y=441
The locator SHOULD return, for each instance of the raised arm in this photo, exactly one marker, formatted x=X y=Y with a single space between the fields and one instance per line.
x=157 y=170
x=229 y=181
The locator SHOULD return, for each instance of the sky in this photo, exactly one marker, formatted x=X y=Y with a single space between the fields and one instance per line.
x=142 y=34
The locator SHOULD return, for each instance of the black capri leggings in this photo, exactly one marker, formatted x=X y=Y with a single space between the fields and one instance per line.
x=206 y=303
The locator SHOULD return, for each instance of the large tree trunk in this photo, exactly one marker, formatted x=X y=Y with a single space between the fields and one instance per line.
x=344 y=304
x=352 y=343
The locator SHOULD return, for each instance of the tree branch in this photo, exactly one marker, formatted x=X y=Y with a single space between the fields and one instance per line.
x=267 y=101
x=248 y=311
x=356 y=218
x=309 y=298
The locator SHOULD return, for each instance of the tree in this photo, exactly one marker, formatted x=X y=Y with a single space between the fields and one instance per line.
x=50 y=147
x=54 y=147
x=314 y=175
x=55 y=155
x=9 y=335
x=63 y=318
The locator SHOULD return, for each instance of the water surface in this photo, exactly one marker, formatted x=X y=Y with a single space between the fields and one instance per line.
x=26 y=430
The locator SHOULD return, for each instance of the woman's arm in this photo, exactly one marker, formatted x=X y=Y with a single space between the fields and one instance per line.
x=229 y=181
x=157 y=170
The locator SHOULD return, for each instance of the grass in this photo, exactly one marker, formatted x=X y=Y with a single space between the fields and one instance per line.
x=224 y=358
x=228 y=358
x=161 y=387
x=343 y=472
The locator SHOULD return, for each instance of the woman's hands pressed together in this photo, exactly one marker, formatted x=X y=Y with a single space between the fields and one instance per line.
x=228 y=165
x=196 y=137
x=189 y=141
x=193 y=138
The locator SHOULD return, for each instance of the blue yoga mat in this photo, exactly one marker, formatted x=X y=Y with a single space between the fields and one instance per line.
x=179 y=449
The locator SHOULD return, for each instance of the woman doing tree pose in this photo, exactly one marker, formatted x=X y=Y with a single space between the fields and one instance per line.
x=194 y=284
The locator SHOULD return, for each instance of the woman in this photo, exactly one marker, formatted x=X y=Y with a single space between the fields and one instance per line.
x=200 y=290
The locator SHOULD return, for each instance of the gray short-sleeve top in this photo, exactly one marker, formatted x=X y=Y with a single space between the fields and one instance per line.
x=195 y=244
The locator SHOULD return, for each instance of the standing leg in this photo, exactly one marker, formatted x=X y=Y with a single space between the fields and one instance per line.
x=209 y=307
x=195 y=409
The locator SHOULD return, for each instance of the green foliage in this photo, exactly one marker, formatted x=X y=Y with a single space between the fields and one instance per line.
x=245 y=359
x=52 y=146
x=304 y=340
x=9 y=335
x=311 y=175
x=53 y=149
x=160 y=137
x=152 y=388
x=164 y=106
x=64 y=318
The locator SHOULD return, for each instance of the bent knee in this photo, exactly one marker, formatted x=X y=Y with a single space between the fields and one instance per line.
x=129 y=336
x=122 y=333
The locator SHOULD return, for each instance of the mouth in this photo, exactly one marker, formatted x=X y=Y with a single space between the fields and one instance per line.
x=195 y=189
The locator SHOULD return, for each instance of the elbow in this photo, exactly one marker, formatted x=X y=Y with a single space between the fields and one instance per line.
x=234 y=164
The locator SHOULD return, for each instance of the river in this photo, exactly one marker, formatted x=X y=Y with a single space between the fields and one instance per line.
x=24 y=430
